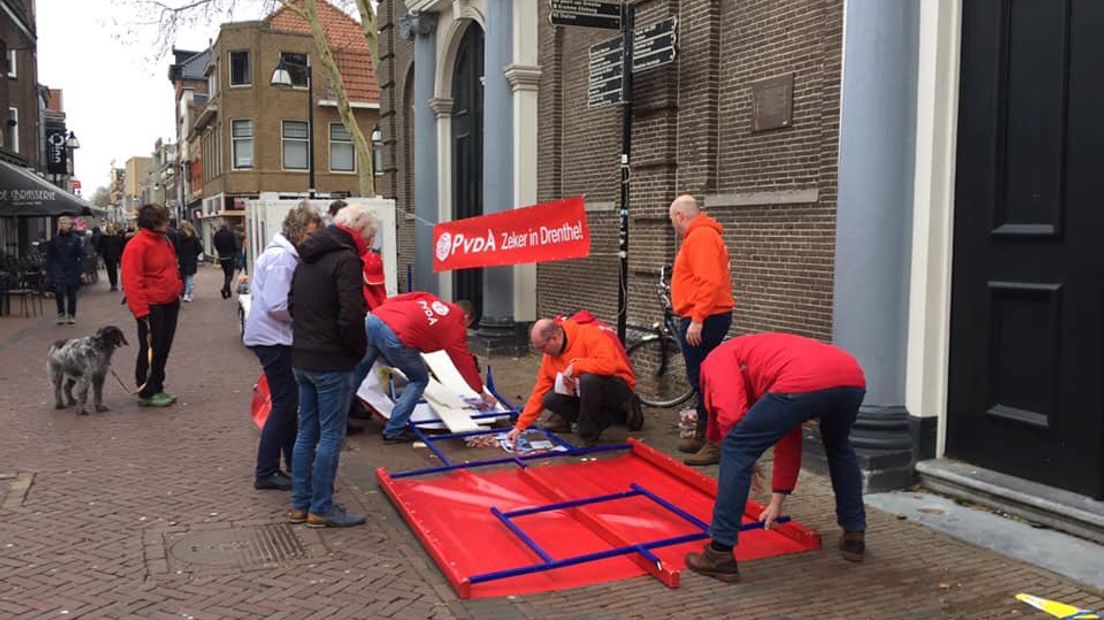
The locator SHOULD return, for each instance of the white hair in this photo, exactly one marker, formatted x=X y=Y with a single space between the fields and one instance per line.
x=357 y=217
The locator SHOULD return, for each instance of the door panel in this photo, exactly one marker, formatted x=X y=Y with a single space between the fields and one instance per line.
x=1025 y=394
x=467 y=152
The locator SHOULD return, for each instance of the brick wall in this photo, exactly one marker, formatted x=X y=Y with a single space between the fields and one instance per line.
x=692 y=134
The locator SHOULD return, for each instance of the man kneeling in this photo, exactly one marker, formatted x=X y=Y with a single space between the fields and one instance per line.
x=584 y=377
x=758 y=391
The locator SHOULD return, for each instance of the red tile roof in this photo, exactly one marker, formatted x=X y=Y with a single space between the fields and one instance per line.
x=347 y=42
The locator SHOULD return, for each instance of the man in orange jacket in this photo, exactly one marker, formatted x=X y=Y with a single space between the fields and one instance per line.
x=586 y=362
x=701 y=293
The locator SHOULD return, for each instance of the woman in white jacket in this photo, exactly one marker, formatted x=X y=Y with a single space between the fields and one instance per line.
x=268 y=335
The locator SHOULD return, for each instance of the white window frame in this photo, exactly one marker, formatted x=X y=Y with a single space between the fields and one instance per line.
x=306 y=56
x=349 y=142
x=248 y=65
x=13 y=71
x=13 y=114
x=283 y=145
x=252 y=144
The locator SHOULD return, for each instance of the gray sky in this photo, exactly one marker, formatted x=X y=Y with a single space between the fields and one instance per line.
x=117 y=100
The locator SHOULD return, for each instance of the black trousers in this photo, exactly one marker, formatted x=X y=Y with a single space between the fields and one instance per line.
x=599 y=405
x=66 y=293
x=228 y=267
x=112 y=266
x=156 y=330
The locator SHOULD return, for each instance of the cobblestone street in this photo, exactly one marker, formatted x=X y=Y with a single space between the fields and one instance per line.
x=122 y=505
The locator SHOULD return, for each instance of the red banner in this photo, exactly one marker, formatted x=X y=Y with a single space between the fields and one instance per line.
x=545 y=232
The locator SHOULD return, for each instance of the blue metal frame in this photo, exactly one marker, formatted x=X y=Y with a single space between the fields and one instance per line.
x=644 y=549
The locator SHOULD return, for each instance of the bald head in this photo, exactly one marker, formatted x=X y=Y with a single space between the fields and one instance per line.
x=546 y=336
x=683 y=211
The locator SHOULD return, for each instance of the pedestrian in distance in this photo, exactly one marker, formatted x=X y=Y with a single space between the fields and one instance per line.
x=268 y=333
x=759 y=390
x=326 y=304
x=112 y=251
x=226 y=246
x=64 y=266
x=189 y=247
x=701 y=293
x=151 y=279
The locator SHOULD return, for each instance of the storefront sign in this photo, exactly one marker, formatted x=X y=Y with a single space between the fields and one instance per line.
x=545 y=232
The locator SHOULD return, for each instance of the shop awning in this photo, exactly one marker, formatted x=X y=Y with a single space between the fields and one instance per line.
x=25 y=194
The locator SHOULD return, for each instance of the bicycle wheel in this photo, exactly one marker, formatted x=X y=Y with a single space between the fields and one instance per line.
x=660 y=371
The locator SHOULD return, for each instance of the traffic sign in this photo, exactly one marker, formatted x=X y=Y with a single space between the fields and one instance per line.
x=604 y=84
x=655 y=45
x=586 y=13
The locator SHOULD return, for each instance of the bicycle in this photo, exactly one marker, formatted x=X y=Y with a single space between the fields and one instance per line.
x=657 y=357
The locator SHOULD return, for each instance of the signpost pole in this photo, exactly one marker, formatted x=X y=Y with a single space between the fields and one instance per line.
x=627 y=18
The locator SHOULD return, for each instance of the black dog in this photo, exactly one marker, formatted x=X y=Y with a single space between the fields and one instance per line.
x=83 y=362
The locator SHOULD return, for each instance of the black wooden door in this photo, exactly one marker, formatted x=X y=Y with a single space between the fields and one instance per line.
x=1026 y=396
x=467 y=152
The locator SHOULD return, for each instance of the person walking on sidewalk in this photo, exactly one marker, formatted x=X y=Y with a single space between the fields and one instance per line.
x=328 y=340
x=112 y=250
x=268 y=333
x=151 y=279
x=701 y=293
x=400 y=330
x=584 y=377
x=189 y=248
x=226 y=246
x=760 y=390
x=64 y=266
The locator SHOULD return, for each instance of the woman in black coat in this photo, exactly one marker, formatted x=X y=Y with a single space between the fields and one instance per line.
x=188 y=255
x=111 y=249
x=64 y=266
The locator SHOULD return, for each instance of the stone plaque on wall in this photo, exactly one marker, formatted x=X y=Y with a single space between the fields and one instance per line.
x=772 y=103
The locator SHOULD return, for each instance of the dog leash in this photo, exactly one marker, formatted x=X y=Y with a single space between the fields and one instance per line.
x=149 y=359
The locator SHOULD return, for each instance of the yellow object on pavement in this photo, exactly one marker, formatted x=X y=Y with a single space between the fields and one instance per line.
x=1059 y=610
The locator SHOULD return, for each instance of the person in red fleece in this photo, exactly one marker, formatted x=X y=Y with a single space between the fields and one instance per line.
x=400 y=330
x=759 y=390
x=151 y=279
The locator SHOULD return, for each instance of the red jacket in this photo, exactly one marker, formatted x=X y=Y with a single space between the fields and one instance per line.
x=375 y=290
x=151 y=275
x=424 y=322
x=740 y=371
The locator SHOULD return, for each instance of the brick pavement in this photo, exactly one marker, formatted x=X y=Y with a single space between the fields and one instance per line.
x=113 y=493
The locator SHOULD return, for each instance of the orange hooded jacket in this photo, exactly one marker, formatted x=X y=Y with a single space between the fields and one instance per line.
x=701 y=284
x=591 y=351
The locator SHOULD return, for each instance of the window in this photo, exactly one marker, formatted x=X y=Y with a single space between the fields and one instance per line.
x=296 y=65
x=295 y=136
x=11 y=64
x=241 y=134
x=377 y=150
x=240 y=70
x=13 y=129
x=342 y=153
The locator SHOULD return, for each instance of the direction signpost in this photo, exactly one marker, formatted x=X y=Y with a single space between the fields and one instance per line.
x=612 y=64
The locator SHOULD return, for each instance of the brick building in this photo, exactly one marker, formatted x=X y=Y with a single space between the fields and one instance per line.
x=917 y=191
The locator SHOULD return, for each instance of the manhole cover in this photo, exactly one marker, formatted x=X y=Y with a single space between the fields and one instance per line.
x=240 y=548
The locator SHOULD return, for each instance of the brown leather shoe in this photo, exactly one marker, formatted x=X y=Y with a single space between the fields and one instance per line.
x=296 y=515
x=691 y=445
x=853 y=545
x=557 y=424
x=710 y=454
x=716 y=564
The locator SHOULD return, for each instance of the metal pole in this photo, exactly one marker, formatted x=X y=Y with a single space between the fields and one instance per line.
x=310 y=128
x=628 y=14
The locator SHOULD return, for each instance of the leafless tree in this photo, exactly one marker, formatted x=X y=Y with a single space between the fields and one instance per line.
x=170 y=17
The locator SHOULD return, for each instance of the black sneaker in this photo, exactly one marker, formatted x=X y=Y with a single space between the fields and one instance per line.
x=272 y=482
x=337 y=518
x=635 y=419
x=405 y=436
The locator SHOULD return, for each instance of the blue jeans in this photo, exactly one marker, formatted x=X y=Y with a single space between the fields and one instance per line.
x=323 y=413
x=189 y=284
x=767 y=422
x=278 y=434
x=714 y=330
x=382 y=342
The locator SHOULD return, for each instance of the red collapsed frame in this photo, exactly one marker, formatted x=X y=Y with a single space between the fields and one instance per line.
x=454 y=516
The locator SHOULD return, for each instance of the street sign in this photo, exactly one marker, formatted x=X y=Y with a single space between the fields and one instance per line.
x=604 y=84
x=655 y=45
x=586 y=13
